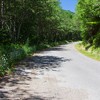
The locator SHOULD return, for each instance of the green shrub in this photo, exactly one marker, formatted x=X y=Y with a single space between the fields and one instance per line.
x=9 y=55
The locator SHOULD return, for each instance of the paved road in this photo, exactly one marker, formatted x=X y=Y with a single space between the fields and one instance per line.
x=60 y=73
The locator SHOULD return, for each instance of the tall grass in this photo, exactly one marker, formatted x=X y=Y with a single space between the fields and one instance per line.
x=11 y=54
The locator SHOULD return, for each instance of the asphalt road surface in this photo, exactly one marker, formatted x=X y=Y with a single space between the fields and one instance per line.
x=60 y=73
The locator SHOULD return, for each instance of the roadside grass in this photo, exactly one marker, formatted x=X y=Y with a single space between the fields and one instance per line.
x=91 y=52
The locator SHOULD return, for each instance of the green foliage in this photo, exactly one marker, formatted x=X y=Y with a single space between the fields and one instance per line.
x=92 y=23
x=30 y=25
x=35 y=20
x=8 y=56
x=88 y=15
x=96 y=40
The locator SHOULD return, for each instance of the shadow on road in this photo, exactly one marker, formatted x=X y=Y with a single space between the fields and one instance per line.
x=9 y=85
x=38 y=98
x=43 y=62
x=57 y=49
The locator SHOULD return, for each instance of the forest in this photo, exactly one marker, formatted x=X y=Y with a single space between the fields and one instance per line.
x=30 y=25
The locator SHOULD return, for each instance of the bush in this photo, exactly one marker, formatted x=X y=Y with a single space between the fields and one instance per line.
x=9 y=55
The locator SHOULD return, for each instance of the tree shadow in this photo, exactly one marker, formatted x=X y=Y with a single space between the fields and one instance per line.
x=38 y=98
x=57 y=49
x=42 y=62
x=22 y=74
x=21 y=94
x=3 y=95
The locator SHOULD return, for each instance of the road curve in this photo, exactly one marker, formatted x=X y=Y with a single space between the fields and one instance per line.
x=59 y=73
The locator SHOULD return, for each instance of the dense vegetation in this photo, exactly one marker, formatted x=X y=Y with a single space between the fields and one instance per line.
x=34 y=20
x=30 y=25
x=88 y=16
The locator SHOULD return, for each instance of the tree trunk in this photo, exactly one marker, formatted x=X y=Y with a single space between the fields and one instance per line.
x=2 y=13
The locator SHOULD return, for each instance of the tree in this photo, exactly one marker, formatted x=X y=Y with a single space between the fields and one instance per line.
x=88 y=13
x=39 y=21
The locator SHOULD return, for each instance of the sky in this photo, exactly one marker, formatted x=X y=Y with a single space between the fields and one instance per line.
x=68 y=4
